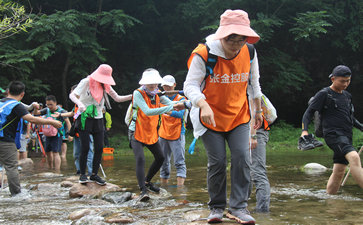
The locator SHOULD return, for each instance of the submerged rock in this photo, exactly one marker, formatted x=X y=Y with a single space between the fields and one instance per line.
x=67 y=183
x=49 y=175
x=117 y=197
x=119 y=218
x=26 y=163
x=92 y=189
x=81 y=213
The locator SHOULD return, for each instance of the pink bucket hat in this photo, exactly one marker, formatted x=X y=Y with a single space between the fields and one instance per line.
x=236 y=22
x=103 y=74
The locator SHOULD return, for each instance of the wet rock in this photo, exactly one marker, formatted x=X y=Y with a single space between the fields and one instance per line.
x=117 y=197
x=314 y=168
x=91 y=220
x=74 y=179
x=45 y=187
x=49 y=175
x=119 y=218
x=26 y=163
x=67 y=183
x=92 y=189
x=81 y=213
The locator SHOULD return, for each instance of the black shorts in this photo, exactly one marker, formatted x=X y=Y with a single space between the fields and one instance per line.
x=53 y=144
x=341 y=145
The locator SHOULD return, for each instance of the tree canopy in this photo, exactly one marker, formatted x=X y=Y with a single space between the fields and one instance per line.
x=301 y=42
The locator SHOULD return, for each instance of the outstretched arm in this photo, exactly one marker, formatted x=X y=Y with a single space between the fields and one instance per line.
x=119 y=98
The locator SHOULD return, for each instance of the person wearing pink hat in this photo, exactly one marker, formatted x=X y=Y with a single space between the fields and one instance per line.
x=90 y=95
x=221 y=111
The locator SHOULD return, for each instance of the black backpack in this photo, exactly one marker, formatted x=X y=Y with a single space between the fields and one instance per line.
x=318 y=125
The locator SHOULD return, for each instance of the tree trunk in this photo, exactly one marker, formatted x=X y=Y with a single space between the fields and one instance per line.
x=64 y=81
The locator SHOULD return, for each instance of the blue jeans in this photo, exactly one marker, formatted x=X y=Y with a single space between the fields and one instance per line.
x=177 y=147
x=77 y=153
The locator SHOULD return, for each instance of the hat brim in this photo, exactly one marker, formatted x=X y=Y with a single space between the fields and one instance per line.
x=151 y=81
x=224 y=31
x=102 y=78
x=167 y=83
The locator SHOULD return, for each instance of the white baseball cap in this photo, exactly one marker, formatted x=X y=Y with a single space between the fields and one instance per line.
x=168 y=80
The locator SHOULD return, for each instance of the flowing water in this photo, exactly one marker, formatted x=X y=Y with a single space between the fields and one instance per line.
x=296 y=197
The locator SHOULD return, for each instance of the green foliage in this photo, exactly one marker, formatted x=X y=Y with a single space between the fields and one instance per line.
x=13 y=19
x=310 y=24
x=265 y=25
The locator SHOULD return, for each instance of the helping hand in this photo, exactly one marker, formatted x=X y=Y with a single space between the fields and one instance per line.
x=56 y=123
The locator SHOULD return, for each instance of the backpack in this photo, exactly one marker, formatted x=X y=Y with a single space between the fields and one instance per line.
x=318 y=125
x=49 y=130
x=5 y=109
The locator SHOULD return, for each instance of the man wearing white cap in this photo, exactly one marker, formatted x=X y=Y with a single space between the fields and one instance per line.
x=221 y=112
x=172 y=136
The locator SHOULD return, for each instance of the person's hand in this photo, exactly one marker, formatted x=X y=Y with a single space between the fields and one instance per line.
x=253 y=143
x=81 y=108
x=27 y=136
x=168 y=113
x=178 y=106
x=70 y=138
x=303 y=133
x=56 y=123
x=55 y=114
x=36 y=105
x=107 y=129
x=207 y=115
x=258 y=121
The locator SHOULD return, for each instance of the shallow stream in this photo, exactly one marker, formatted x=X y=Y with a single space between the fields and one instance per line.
x=296 y=197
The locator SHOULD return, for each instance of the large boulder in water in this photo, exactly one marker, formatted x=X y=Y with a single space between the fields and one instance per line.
x=92 y=189
x=314 y=168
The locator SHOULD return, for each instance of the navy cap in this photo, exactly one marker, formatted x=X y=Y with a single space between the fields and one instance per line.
x=341 y=71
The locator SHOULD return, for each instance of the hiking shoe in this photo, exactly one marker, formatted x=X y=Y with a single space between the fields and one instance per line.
x=152 y=187
x=144 y=196
x=314 y=141
x=215 y=216
x=83 y=179
x=97 y=179
x=305 y=143
x=242 y=216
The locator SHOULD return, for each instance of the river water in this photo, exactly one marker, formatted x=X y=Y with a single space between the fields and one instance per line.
x=296 y=197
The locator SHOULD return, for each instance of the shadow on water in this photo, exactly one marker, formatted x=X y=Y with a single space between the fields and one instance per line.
x=296 y=197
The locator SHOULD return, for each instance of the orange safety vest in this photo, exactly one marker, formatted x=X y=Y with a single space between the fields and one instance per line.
x=226 y=92
x=265 y=123
x=146 y=127
x=170 y=127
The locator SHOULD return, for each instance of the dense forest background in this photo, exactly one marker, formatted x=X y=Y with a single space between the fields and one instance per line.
x=301 y=42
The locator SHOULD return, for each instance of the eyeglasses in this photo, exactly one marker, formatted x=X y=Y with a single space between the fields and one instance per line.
x=236 y=42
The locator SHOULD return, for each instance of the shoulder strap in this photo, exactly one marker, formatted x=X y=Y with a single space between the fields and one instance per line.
x=210 y=63
x=251 y=50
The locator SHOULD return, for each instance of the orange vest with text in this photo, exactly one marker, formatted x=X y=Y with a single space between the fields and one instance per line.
x=146 y=127
x=226 y=92
x=170 y=127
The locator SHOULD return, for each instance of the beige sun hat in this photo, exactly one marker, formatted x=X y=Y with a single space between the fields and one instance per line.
x=151 y=76
x=236 y=22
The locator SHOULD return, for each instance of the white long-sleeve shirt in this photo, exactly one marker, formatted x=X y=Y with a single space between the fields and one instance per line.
x=194 y=82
